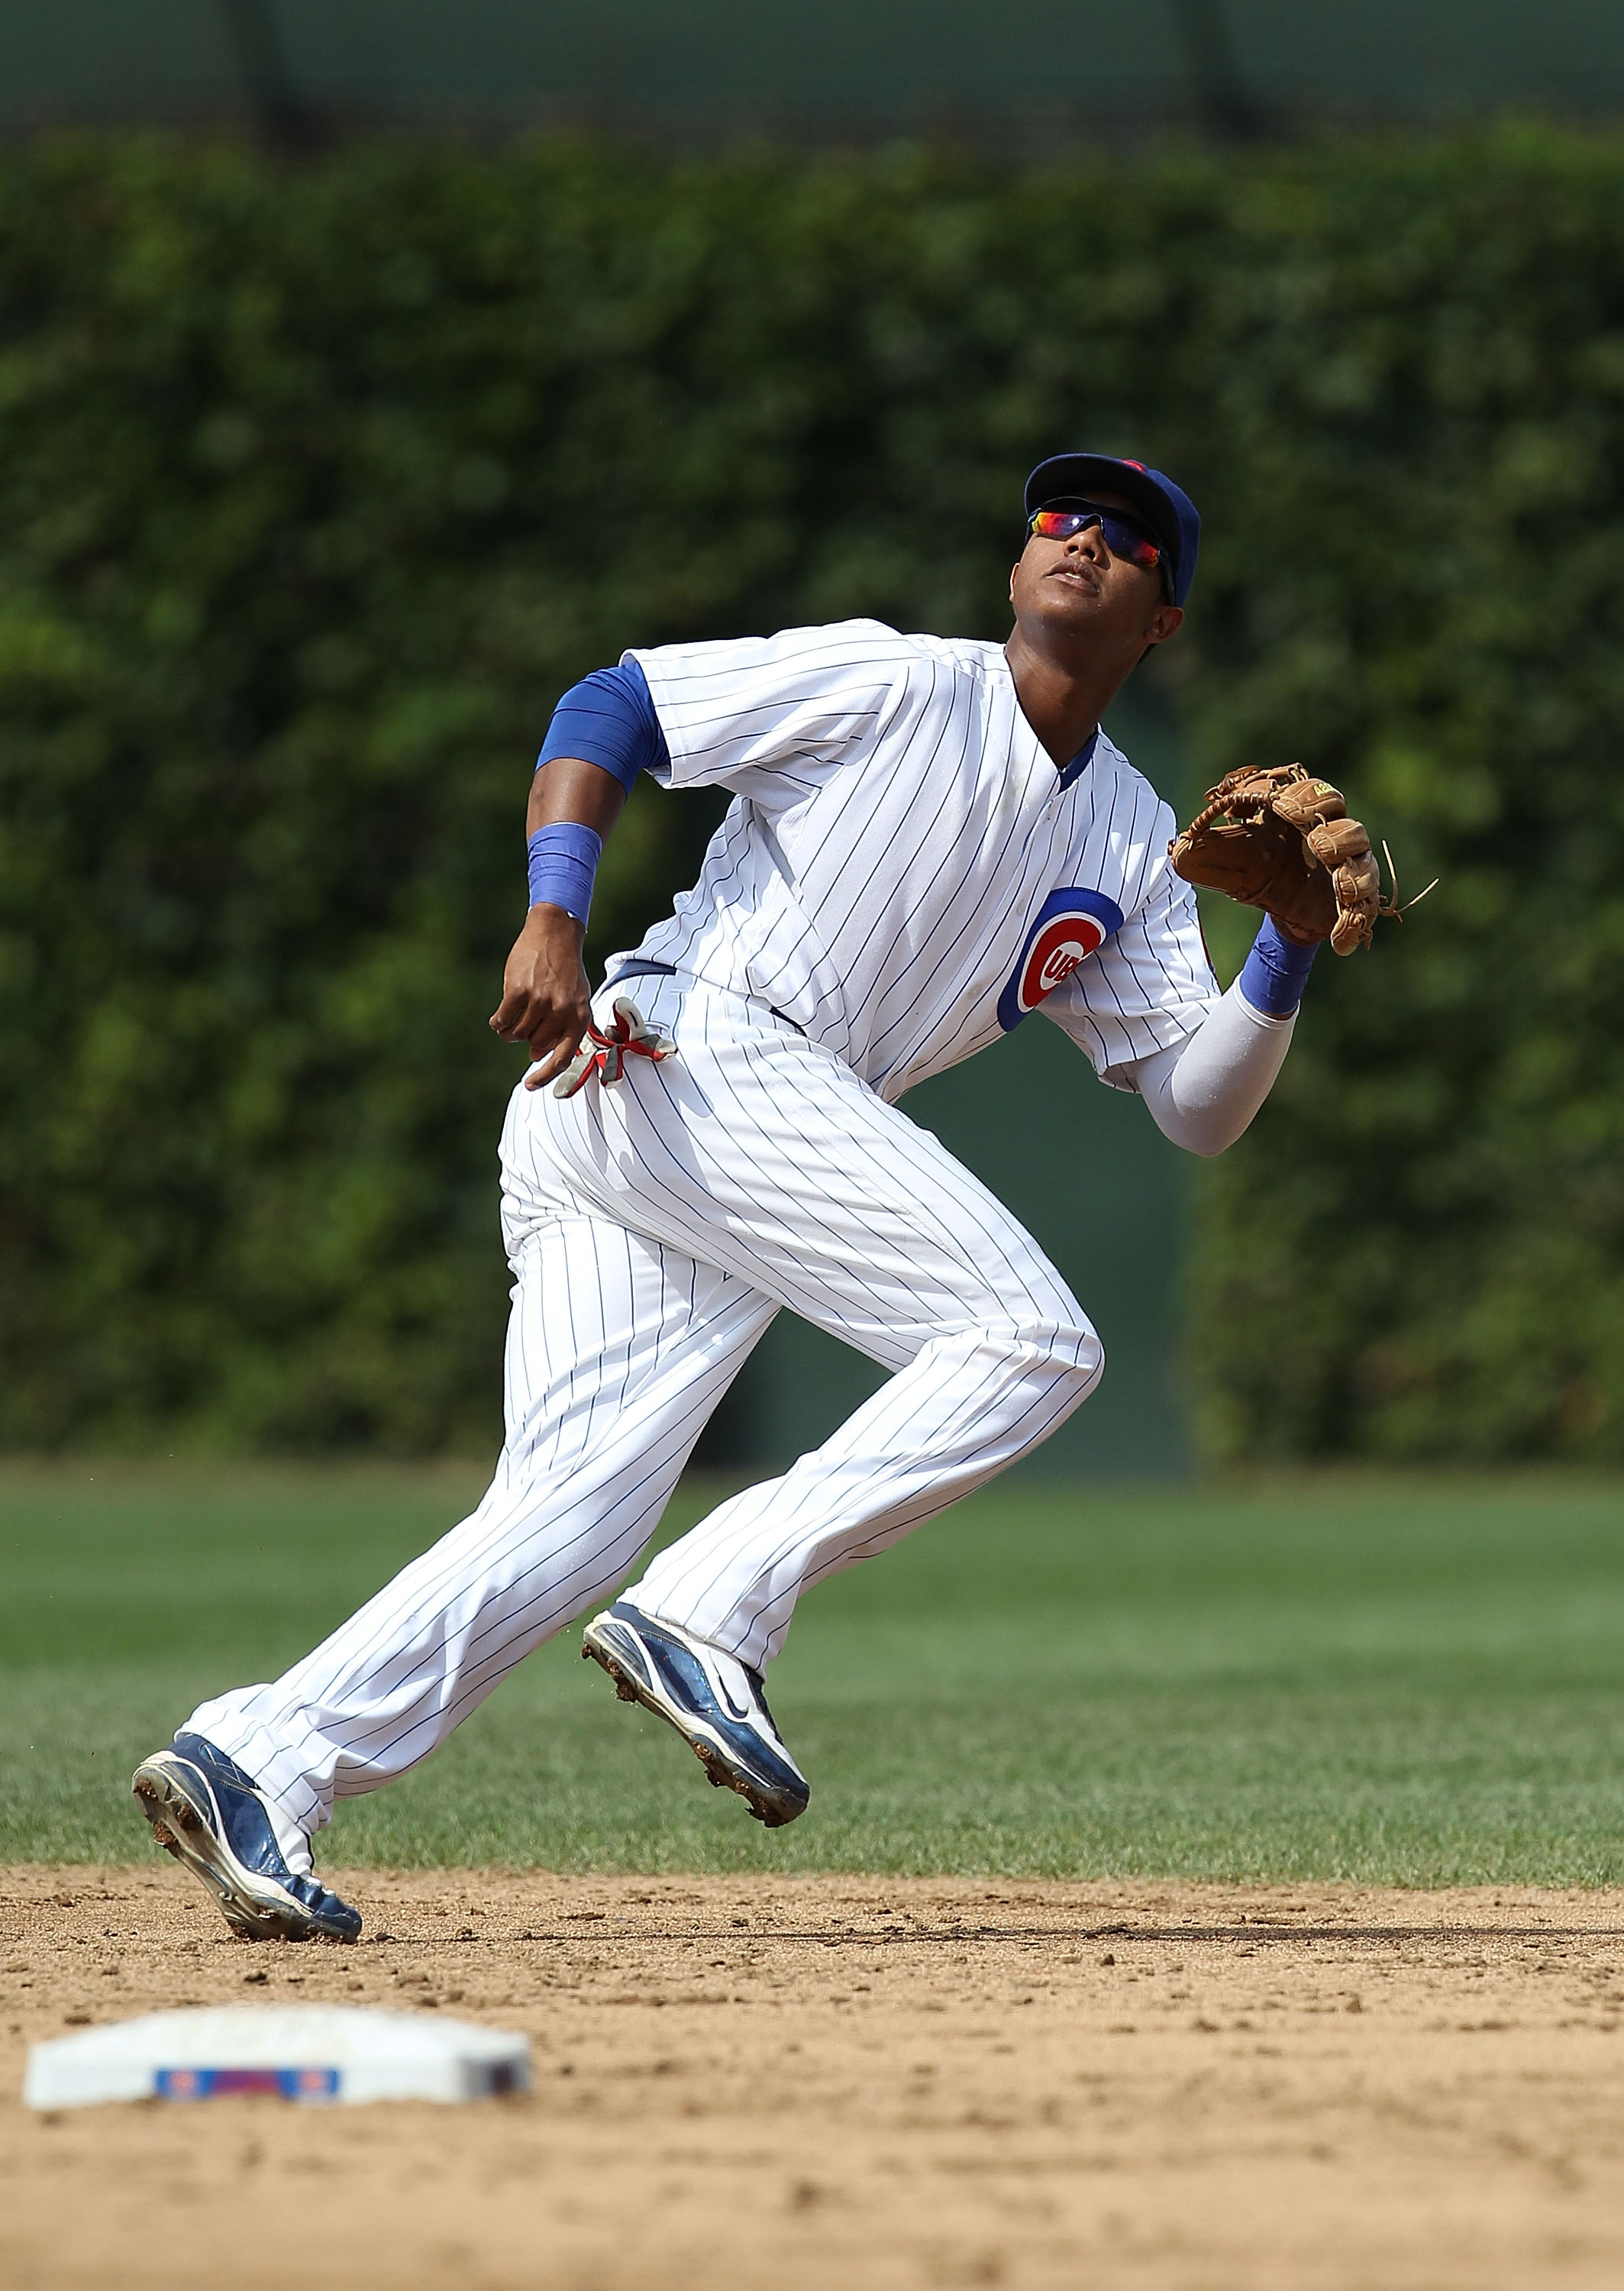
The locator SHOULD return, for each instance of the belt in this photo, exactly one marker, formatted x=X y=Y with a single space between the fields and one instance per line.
x=646 y=968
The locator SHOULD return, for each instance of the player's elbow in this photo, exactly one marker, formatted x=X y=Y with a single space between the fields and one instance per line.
x=1205 y=1149
x=1204 y=1130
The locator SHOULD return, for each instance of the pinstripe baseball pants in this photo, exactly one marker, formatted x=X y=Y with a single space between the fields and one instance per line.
x=654 y=1230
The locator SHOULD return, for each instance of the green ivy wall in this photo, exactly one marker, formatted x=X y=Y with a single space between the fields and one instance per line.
x=316 y=488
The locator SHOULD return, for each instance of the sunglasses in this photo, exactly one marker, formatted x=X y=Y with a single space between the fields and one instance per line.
x=1123 y=539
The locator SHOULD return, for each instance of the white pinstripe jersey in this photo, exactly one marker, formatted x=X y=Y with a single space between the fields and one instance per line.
x=903 y=870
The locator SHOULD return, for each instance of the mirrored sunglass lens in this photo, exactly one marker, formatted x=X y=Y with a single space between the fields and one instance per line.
x=1123 y=541
x=1060 y=524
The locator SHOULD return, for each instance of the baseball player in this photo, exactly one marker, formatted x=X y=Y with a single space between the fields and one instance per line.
x=929 y=840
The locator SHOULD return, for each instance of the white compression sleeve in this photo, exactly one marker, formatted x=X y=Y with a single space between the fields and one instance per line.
x=1204 y=1093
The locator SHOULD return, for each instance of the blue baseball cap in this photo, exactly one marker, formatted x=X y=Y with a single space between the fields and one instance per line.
x=1168 y=511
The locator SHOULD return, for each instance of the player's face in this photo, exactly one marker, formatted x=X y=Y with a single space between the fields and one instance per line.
x=1076 y=591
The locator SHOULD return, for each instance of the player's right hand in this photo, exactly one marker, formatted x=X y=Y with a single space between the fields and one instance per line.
x=545 y=999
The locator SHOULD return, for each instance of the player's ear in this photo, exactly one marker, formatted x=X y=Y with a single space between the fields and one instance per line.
x=1015 y=574
x=1167 y=621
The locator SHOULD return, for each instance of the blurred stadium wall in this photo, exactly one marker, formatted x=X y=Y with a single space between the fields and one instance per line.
x=1022 y=73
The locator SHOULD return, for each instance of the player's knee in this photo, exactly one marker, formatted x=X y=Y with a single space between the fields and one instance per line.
x=1038 y=1332
x=1070 y=1339
x=1063 y=1349
x=1049 y=1369
x=1078 y=1359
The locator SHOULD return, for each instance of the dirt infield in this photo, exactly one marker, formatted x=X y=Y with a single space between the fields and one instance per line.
x=856 y=2082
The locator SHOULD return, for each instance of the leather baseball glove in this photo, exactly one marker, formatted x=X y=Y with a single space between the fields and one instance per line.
x=1281 y=839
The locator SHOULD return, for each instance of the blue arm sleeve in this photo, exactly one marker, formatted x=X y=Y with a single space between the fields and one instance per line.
x=609 y=718
x=1275 y=972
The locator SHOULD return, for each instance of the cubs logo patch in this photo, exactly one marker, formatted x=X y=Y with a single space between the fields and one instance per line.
x=1071 y=925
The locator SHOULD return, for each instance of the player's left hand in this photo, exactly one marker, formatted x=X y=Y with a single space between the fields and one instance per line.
x=546 y=1001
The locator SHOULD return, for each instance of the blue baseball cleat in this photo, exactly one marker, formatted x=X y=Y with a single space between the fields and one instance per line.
x=716 y=1705
x=207 y=1813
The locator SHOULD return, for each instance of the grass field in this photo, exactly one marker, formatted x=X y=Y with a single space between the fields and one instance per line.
x=1407 y=1681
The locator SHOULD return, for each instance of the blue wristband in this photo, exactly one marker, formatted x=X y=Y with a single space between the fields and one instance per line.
x=563 y=861
x=1275 y=972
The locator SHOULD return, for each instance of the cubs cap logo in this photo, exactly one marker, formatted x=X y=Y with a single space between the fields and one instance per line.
x=1071 y=925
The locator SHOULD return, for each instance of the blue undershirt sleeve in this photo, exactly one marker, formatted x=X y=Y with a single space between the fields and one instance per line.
x=608 y=719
